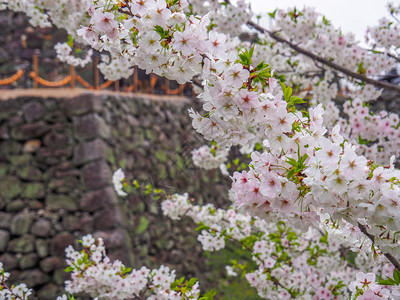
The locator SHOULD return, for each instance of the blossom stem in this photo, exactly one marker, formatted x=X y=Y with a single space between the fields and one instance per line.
x=389 y=256
x=377 y=83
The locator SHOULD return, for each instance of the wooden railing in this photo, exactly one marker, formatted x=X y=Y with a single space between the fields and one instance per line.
x=147 y=84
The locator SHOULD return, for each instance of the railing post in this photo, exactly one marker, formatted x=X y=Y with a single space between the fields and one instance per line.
x=135 y=79
x=72 y=74
x=153 y=82
x=166 y=86
x=35 y=62
x=116 y=85
x=95 y=72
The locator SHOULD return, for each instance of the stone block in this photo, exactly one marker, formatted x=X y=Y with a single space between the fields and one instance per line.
x=20 y=160
x=33 y=278
x=86 y=224
x=95 y=200
x=4 y=132
x=10 y=187
x=48 y=292
x=64 y=185
x=8 y=108
x=33 y=110
x=70 y=223
x=15 y=206
x=29 y=131
x=90 y=126
x=55 y=117
x=89 y=151
x=9 y=148
x=56 y=140
x=83 y=104
x=41 y=228
x=34 y=190
x=60 y=242
x=35 y=204
x=51 y=263
x=31 y=146
x=28 y=261
x=112 y=239
x=96 y=175
x=56 y=202
x=24 y=244
x=52 y=156
x=42 y=248
x=4 y=238
x=21 y=223
x=5 y=220
x=3 y=169
x=108 y=218
x=9 y=261
x=29 y=173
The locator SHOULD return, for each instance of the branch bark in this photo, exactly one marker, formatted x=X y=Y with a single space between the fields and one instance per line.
x=377 y=83
x=389 y=256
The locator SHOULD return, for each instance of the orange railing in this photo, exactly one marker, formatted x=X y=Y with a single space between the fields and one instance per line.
x=72 y=80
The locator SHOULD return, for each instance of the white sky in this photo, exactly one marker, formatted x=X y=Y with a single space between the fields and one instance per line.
x=350 y=15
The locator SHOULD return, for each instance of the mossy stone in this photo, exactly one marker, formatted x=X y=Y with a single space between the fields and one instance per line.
x=24 y=244
x=10 y=187
x=20 y=160
x=56 y=202
x=34 y=190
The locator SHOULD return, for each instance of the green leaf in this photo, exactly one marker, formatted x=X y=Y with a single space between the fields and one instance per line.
x=249 y=241
x=324 y=239
x=209 y=295
x=70 y=41
x=261 y=66
x=272 y=15
x=68 y=269
x=290 y=174
x=388 y=281
x=326 y=21
x=396 y=276
x=245 y=56
x=296 y=100
x=202 y=227
x=143 y=224
x=163 y=33
x=251 y=51
x=292 y=161
x=288 y=92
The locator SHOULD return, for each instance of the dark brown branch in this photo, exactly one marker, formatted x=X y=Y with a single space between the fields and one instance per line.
x=389 y=256
x=197 y=82
x=379 y=84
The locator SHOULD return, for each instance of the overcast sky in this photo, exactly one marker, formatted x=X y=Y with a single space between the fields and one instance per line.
x=350 y=15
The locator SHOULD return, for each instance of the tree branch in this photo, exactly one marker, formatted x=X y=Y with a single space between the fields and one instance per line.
x=379 y=84
x=389 y=256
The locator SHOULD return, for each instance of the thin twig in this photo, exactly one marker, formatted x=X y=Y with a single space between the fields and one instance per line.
x=389 y=256
x=379 y=84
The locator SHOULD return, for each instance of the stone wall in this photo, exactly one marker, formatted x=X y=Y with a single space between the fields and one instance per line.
x=57 y=156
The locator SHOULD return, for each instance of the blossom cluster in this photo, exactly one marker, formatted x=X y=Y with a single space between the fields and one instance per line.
x=302 y=169
x=18 y=292
x=64 y=54
x=365 y=286
x=93 y=273
x=289 y=263
x=64 y=14
x=226 y=18
x=309 y=165
x=209 y=157
x=117 y=179
x=386 y=33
